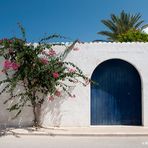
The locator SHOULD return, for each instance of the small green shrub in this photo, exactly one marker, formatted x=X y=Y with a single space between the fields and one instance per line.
x=133 y=36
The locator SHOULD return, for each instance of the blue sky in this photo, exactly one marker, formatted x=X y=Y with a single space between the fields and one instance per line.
x=76 y=19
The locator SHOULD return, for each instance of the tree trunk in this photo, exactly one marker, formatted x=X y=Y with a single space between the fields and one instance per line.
x=37 y=113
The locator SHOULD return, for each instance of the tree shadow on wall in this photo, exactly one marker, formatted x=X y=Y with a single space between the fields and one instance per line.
x=52 y=109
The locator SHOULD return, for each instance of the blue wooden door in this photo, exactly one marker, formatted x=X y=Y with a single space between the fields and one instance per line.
x=116 y=96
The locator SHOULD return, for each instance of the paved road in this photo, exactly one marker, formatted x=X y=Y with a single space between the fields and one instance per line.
x=72 y=142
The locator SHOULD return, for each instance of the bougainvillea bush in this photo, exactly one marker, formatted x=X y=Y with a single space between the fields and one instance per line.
x=39 y=70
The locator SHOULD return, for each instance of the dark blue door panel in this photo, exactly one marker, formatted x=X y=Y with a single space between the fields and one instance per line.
x=116 y=96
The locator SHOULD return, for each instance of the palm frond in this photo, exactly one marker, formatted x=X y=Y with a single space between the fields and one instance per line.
x=144 y=26
x=110 y=25
x=121 y=24
x=107 y=33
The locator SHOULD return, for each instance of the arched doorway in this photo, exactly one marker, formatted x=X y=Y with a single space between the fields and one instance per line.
x=116 y=96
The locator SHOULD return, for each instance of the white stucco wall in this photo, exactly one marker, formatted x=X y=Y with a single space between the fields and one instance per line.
x=76 y=111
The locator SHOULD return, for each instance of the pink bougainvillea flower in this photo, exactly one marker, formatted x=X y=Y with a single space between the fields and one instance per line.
x=15 y=66
x=50 y=98
x=72 y=70
x=7 y=64
x=76 y=49
x=10 y=41
x=51 y=53
x=44 y=61
x=57 y=93
x=55 y=75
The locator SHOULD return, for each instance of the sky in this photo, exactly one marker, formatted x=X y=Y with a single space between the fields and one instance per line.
x=74 y=19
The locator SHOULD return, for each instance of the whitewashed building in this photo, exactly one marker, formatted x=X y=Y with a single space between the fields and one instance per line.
x=119 y=97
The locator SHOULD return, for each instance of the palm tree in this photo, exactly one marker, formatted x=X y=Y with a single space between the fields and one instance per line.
x=121 y=24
